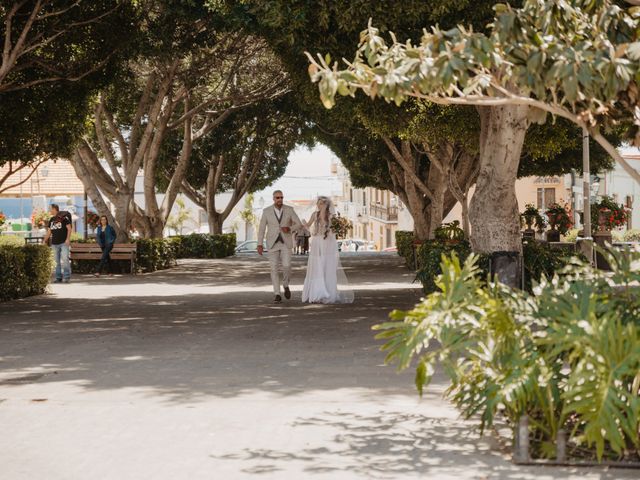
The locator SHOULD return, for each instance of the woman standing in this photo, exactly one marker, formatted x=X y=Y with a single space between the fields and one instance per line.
x=106 y=237
x=325 y=281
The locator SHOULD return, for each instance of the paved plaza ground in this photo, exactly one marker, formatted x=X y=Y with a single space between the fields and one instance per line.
x=193 y=373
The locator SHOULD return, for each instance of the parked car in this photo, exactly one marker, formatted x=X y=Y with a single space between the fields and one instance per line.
x=249 y=246
x=356 y=245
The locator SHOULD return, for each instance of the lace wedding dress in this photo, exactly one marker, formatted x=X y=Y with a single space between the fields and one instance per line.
x=325 y=281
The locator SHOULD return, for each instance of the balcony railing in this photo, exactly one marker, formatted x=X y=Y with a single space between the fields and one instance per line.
x=384 y=213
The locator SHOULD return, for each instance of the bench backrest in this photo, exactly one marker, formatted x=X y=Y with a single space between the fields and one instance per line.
x=94 y=247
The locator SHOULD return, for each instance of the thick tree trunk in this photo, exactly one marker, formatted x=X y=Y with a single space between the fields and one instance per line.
x=494 y=208
x=215 y=223
x=120 y=199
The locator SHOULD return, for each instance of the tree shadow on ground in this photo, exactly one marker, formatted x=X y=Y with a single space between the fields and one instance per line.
x=394 y=445
x=190 y=346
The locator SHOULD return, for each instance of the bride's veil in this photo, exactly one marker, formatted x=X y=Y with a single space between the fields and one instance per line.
x=345 y=292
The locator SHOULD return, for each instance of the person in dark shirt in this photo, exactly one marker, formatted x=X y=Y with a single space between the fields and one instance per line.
x=59 y=232
x=106 y=238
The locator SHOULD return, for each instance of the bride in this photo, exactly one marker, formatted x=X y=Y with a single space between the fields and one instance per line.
x=324 y=271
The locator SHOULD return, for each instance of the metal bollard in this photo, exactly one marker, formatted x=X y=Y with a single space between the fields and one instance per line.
x=522 y=440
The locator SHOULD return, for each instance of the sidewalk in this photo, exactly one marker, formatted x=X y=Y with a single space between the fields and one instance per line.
x=193 y=373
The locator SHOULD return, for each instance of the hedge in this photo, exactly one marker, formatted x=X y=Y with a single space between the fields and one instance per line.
x=24 y=270
x=161 y=253
x=404 y=244
x=539 y=258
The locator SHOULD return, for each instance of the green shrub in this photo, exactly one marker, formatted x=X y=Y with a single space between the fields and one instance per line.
x=539 y=260
x=198 y=245
x=24 y=270
x=155 y=254
x=632 y=235
x=430 y=257
x=404 y=244
x=571 y=235
x=568 y=357
x=15 y=240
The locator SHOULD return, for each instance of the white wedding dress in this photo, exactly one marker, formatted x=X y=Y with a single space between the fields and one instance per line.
x=325 y=281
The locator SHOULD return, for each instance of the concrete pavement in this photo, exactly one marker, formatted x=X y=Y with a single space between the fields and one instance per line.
x=193 y=373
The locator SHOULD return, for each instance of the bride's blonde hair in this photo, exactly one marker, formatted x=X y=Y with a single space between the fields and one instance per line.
x=322 y=222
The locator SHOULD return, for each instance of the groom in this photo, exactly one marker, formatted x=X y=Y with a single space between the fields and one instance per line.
x=278 y=220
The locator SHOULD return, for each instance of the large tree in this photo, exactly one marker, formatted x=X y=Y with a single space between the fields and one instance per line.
x=54 y=56
x=424 y=143
x=571 y=59
x=191 y=73
x=248 y=153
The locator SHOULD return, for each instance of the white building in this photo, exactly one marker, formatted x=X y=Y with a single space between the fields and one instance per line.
x=376 y=214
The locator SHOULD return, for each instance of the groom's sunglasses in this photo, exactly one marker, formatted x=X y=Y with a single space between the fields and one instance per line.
x=278 y=198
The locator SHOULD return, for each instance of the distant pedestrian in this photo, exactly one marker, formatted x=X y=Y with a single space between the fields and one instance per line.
x=59 y=231
x=306 y=234
x=106 y=238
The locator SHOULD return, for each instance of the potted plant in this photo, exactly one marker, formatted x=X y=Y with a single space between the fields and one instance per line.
x=93 y=219
x=450 y=233
x=3 y=219
x=559 y=220
x=607 y=215
x=531 y=217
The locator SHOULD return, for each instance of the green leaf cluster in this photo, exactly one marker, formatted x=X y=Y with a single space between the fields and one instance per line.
x=567 y=356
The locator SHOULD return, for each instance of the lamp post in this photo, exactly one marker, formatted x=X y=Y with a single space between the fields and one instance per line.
x=585 y=244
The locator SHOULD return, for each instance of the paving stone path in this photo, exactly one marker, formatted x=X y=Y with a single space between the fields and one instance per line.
x=193 y=373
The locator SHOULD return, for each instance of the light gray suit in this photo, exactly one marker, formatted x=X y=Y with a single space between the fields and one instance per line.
x=279 y=250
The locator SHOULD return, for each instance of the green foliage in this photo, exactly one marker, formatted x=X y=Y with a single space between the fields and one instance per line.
x=632 y=235
x=155 y=254
x=568 y=356
x=531 y=216
x=449 y=232
x=199 y=245
x=559 y=218
x=539 y=260
x=608 y=214
x=183 y=215
x=404 y=244
x=24 y=270
x=69 y=53
x=15 y=240
x=429 y=255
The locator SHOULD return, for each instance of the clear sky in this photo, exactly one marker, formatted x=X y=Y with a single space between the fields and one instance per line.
x=307 y=176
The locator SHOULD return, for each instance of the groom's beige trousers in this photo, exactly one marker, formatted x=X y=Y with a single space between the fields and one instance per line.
x=279 y=258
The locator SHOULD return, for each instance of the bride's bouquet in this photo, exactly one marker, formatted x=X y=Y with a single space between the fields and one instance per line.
x=340 y=226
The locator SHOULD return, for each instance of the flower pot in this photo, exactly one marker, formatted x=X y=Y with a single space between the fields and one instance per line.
x=603 y=216
x=553 y=235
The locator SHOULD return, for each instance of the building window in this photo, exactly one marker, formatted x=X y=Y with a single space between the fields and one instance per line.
x=351 y=195
x=546 y=196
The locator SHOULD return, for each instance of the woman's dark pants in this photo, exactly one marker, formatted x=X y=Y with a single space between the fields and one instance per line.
x=105 y=259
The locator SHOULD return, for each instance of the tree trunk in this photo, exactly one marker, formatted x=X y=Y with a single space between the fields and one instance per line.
x=493 y=212
x=215 y=223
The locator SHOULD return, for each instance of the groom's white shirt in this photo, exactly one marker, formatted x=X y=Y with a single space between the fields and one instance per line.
x=270 y=226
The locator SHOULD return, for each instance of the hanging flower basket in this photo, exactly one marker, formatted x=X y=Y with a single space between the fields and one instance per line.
x=607 y=215
x=93 y=219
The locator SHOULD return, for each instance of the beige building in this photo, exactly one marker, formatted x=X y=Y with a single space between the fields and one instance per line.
x=50 y=178
x=373 y=212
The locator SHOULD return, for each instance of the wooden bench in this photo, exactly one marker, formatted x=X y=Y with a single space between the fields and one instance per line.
x=92 y=251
